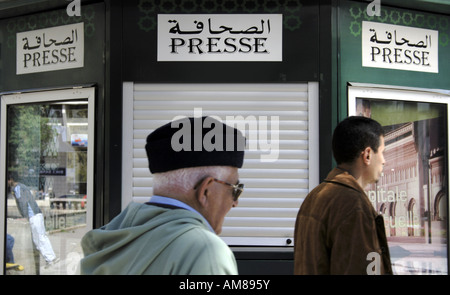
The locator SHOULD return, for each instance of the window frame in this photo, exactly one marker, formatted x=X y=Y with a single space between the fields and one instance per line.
x=406 y=94
x=37 y=96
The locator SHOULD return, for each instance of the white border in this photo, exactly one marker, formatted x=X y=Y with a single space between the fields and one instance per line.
x=390 y=93
x=313 y=134
x=44 y=96
x=127 y=143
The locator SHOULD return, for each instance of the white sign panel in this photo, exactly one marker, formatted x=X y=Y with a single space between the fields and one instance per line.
x=220 y=37
x=399 y=47
x=50 y=49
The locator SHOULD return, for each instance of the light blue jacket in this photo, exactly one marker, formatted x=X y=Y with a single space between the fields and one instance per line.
x=147 y=239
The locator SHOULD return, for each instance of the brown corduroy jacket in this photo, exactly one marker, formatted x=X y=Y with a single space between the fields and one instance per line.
x=339 y=232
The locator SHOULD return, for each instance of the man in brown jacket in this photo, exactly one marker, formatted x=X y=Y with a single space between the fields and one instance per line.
x=338 y=230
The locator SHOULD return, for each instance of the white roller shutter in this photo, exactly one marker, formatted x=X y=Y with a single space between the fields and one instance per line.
x=274 y=190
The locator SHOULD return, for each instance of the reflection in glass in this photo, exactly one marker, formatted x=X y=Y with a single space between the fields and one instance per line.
x=412 y=193
x=47 y=147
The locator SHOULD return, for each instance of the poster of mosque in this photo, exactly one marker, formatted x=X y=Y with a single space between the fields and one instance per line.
x=412 y=193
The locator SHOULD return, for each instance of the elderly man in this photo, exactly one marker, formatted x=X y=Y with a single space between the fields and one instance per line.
x=195 y=184
x=337 y=230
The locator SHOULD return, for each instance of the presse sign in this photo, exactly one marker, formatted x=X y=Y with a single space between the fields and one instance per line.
x=217 y=37
x=399 y=47
x=50 y=49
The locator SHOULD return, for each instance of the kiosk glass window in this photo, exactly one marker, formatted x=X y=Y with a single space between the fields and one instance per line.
x=412 y=194
x=47 y=183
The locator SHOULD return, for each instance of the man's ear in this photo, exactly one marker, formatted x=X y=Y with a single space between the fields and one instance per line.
x=367 y=155
x=203 y=190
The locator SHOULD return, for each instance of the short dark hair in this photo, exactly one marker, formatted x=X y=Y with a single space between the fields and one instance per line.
x=353 y=135
x=13 y=175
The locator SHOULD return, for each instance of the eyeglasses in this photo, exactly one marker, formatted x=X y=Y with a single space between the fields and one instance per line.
x=237 y=188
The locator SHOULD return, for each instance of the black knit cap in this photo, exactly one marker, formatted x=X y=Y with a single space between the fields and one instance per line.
x=194 y=142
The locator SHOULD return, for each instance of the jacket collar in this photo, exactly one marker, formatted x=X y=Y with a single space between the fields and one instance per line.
x=341 y=176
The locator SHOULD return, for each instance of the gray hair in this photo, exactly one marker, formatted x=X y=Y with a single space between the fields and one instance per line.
x=183 y=180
